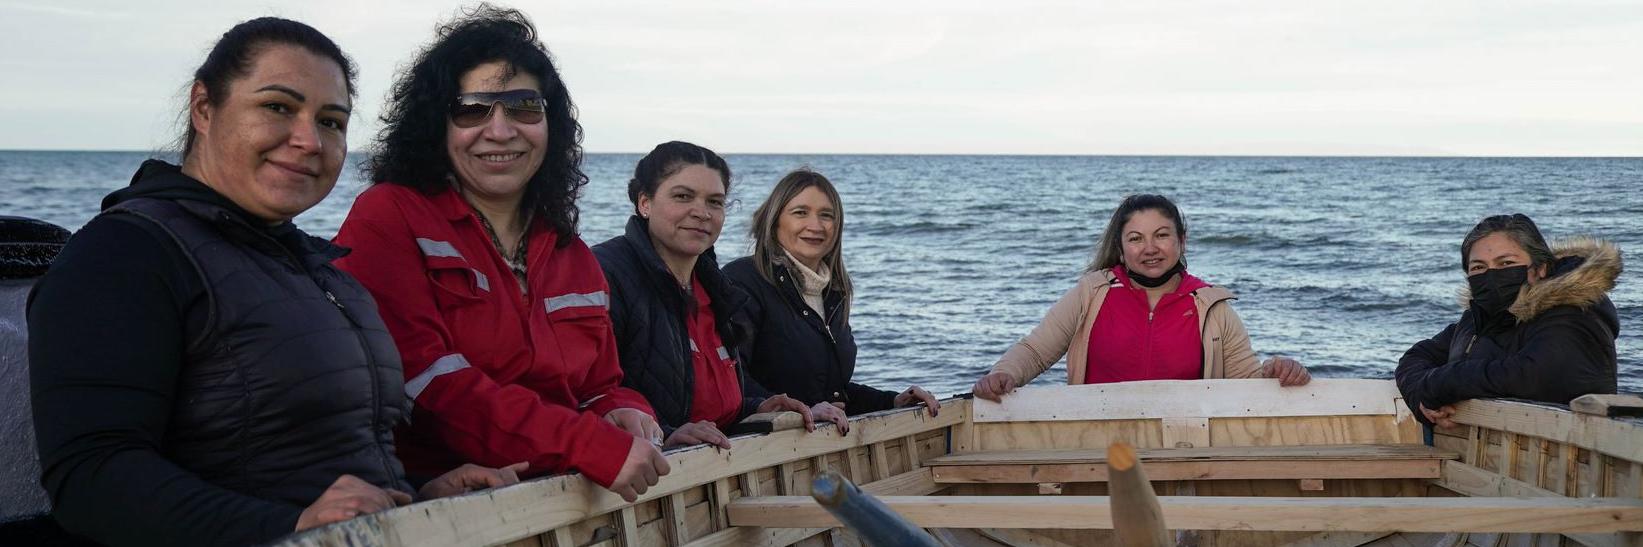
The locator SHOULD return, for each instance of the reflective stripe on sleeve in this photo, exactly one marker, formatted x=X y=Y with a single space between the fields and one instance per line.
x=444 y=365
x=572 y=300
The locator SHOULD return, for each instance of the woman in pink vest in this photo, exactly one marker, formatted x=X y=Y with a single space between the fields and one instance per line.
x=1136 y=314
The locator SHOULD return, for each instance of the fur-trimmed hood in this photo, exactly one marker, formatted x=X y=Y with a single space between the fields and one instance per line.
x=1579 y=283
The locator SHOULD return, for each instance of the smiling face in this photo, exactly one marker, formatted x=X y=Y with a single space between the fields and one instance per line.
x=275 y=145
x=808 y=226
x=686 y=213
x=1150 y=243
x=1496 y=251
x=494 y=160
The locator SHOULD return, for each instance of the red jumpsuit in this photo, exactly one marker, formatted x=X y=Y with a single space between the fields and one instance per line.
x=496 y=375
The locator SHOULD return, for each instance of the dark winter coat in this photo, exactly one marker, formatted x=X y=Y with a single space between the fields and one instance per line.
x=1561 y=346
x=200 y=377
x=792 y=349
x=648 y=311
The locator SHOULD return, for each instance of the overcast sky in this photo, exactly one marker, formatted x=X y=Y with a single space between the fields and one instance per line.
x=1140 y=77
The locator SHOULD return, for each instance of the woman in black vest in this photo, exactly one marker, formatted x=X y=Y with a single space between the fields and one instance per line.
x=201 y=374
x=670 y=308
x=801 y=342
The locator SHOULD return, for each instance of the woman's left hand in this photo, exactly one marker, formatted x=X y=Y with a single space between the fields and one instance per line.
x=783 y=402
x=1288 y=371
x=832 y=412
x=918 y=394
x=471 y=477
x=637 y=423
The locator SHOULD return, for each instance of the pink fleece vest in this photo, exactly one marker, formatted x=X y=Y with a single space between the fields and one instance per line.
x=1127 y=343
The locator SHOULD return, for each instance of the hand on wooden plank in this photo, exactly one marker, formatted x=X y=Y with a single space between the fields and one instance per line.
x=1289 y=372
x=471 y=477
x=702 y=432
x=832 y=412
x=346 y=498
x=1442 y=417
x=994 y=386
x=643 y=467
x=783 y=402
x=636 y=423
x=917 y=395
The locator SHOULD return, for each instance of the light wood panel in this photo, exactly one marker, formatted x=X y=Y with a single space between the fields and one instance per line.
x=1191 y=399
x=1229 y=513
x=535 y=507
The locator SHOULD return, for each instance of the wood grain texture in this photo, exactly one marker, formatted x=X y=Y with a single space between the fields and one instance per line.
x=538 y=506
x=1229 y=513
x=1191 y=399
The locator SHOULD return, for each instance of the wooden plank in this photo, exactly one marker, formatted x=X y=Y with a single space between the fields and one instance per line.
x=1210 y=454
x=674 y=513
x=881 y=461
x=1191 y=399
x=909 y=451
x=1619 y=438
x=1229 y=513
x=1337 y=539
x=630 y=527
x=1473 y=481
x=721 y=499
x=917 y=483
x=1608 y=405
x=1024 y=473
x=1020 y=538
x=1066 y=435
x=536 y=506
x=858 y=472
x=561 y=538
x=1186 y=432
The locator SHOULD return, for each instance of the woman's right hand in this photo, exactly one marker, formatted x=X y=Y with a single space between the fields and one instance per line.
x=347 y=498
x=994 y=386
x=644 y=466
x=702 y=432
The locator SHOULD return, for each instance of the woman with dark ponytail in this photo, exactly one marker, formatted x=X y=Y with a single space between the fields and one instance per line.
x=674 y=314
x=201 y=374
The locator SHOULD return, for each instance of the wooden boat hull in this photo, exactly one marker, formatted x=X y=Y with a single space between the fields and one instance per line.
x=1234 y=462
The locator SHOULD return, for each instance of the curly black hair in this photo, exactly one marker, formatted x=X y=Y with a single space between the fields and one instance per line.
x=410 y=150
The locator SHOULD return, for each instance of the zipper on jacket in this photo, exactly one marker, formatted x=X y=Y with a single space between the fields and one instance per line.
x=1468 y=350
x=376 y=379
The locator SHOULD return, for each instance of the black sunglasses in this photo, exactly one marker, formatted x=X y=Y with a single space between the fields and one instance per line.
x=474 y=109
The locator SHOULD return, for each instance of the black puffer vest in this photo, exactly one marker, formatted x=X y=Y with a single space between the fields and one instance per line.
x=795 y=350
x=648 y=310
x=291 y=379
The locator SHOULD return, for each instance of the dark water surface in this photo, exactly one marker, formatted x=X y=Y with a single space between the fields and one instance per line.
x=1341 y=262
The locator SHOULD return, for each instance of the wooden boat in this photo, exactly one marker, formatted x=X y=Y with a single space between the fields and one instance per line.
x=1234 y=462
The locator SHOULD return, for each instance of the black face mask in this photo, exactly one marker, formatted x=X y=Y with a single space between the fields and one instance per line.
x=1155 y=282
x=1494 y=291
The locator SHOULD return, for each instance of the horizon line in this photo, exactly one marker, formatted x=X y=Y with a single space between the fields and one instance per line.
x=989 y=154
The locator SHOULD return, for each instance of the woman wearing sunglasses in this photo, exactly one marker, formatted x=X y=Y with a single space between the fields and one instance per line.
x=201 y=373
x=467 y=239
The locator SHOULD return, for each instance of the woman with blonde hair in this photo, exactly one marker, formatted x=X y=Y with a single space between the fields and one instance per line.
x=1136 y=314
x=801 y=342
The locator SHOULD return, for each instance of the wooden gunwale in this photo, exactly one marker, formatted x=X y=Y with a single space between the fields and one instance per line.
x=1236 y=454
x=1229 y=513
x=543 y=505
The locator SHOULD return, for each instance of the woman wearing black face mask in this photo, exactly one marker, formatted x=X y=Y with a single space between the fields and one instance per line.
x=1538 y=323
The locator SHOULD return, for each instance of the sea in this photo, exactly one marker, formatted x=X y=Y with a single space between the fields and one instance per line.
x=1339 y=262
